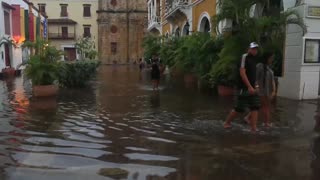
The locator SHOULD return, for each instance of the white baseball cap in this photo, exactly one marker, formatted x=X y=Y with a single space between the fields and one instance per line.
x=253 y=45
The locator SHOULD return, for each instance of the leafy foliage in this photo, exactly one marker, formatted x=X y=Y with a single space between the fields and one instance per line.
x=77 y=74
x=151 y=45
x=42 y=67
x=86 y=48
x=267 y=28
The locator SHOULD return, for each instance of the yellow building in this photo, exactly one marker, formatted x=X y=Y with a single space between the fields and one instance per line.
x=180 y=17
x=68 y=21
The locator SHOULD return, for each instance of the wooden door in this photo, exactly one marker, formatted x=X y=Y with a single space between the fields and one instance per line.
x=70 y=54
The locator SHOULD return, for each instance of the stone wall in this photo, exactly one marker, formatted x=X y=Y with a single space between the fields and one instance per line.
x=122 y=26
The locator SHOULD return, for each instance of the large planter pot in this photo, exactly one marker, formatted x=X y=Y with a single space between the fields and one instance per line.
x=175 y=73
x=225 y=90
x=8 y=72
x=190 y=78
x=45 y=91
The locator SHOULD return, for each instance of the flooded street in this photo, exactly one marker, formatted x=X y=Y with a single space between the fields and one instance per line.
x=120 y=124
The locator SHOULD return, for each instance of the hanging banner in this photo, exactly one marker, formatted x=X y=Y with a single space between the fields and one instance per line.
x=45 y=28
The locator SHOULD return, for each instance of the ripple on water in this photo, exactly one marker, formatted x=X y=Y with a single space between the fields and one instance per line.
x=149 y=157
x=92 y=153
x=87 y=172
x=64 y=143
x=82 y=137
x=161 y=140
x=114 y=128
x=137 y=149
x=143 y=130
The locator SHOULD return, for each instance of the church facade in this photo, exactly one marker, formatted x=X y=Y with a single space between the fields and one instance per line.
x=121 y=27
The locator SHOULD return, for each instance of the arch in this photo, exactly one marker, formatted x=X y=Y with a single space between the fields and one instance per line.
x=185 y=29
x=167 y=34
x=204 y=23
x=177 y=32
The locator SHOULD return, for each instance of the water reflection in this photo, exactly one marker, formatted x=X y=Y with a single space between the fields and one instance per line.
x=155 y=99
x=175 y=133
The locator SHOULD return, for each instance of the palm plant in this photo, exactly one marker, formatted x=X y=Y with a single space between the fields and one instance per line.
x=268 y=29
x=151 y=45
x=42 y=67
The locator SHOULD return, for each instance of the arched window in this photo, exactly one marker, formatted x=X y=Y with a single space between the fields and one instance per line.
x=204 y=25
x=177 y=32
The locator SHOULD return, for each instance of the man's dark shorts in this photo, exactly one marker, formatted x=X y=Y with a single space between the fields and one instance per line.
x=245 y=101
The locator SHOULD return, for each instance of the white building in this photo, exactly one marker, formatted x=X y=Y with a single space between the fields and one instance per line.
x=12 y=31
x=301 y=73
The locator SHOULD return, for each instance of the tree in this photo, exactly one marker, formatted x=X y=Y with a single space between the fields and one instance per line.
x=86 y=48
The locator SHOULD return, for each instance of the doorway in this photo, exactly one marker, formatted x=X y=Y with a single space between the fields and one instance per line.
x=7 y=55
x=70 y=54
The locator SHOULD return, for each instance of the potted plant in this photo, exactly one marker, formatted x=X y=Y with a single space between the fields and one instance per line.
x=224 y=74
x=208 y=56
x=168 y=53
x=186 y=56
x=42 y=68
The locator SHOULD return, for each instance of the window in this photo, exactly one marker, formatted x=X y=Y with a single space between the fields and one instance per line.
x=86 y=31
x=64 y=10
x=42 y=8
x=64 y=32
x=312 y=51
x=86 y=10
x=114 y=48
x=7 y=24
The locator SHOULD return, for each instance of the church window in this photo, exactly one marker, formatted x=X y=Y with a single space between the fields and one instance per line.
x=114 y=47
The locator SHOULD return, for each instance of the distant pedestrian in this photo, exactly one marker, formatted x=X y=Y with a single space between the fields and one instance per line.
x=155 y=74
x=267 y=86
x=247 y=96
x=141 y=64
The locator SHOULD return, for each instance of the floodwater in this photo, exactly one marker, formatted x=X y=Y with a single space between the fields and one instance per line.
x=120 y=129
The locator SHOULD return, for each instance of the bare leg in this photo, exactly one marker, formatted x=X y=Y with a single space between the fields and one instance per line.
x=253 y=120
x=266 y=111
x=247 y=118
x=232 y=115
x=157 y=84
x=154 y=84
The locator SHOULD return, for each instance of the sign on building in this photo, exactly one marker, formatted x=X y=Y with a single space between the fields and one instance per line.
x=314 y=11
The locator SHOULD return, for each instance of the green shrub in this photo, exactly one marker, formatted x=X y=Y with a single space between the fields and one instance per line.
x=77 y=74
x=225 y=71
x=42 y=67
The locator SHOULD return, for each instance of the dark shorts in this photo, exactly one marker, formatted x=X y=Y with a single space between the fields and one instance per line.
x=155 y=76
x=246 y=101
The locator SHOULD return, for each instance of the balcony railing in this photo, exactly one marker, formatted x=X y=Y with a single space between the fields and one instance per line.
x=171 y=5
x=61 y=36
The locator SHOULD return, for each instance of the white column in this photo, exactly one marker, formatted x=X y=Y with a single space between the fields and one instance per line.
x=149 y=12
x=155 y=8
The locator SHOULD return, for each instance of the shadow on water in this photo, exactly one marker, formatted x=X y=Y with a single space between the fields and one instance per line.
x=120 y=128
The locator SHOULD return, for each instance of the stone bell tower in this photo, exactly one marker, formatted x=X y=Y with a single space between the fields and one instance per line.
x=122 y=25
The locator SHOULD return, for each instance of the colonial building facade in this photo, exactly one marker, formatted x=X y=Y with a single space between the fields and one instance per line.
x=122 y=25
x=20 y=21
x=180 y=17
x=68 y=21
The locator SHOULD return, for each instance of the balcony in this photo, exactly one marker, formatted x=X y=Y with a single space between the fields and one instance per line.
x=62 y=36
x=173 y=7
x=154 y=23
